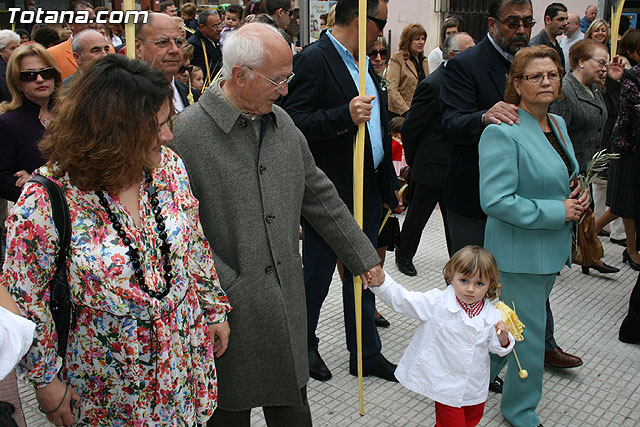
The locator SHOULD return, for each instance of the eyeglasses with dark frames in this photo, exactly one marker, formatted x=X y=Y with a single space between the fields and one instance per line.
x=279 y=84
x=514 y=24
x=538 y=77
x=290 y=12
x=31 y=76
x=164 y=41
x=381 y=23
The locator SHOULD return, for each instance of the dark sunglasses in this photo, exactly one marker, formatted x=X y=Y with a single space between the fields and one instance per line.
x=31 y=76
x=184 y=68
x=290 y=12
x=374 y=54
x=381 y=23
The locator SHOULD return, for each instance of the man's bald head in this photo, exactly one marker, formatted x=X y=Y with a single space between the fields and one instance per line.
x=248 y=45
x=159 y=43
x=573 y=24
x=88 y=46
x=254 y=81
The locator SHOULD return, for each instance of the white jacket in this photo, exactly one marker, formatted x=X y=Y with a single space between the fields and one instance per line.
x=447 y=359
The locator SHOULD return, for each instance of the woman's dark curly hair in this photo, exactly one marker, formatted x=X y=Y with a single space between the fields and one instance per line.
x=103 y=132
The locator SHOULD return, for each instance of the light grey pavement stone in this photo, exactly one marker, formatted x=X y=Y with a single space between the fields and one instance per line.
x=587 y=310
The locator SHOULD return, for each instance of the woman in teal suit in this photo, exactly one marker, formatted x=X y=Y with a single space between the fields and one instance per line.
x=527 y=174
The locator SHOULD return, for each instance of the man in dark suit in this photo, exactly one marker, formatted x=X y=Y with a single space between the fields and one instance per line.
x=323 y=102
x=159 y=44
x=472 y=98
x=208 y=58
x=556 y=20
x=427 y=152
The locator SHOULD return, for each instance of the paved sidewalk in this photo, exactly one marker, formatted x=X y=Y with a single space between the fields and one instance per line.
x=587 y=310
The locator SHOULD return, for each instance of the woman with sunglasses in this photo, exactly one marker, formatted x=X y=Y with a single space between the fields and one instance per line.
x=148 y=314
x=584 y=110
x=34 y=83
x=528 y=190
x=406 y=69
x=378 y=56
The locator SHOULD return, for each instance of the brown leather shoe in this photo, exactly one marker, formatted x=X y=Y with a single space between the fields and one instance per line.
x=559 y=359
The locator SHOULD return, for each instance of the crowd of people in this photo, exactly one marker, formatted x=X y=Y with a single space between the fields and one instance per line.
x=179 y=270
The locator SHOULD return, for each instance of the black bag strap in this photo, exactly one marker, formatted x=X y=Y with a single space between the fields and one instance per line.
x=61 y=218
x=59 y=291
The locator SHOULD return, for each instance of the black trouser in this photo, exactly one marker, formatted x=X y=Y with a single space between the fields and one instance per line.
x=423 y=201
x=276 y=416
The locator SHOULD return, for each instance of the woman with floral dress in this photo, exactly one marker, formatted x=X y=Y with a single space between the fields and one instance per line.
x=148 y=311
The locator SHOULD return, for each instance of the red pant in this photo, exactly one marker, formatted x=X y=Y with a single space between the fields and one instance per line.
x=467 y=416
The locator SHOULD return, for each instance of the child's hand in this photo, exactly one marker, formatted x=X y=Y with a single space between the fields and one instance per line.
x=372 y=277
x=503 y=333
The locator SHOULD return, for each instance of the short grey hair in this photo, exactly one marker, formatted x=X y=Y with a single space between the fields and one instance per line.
x=6 y=37
x=451 y=44
x=244 y=49
x=203 y=16
x=76 y=42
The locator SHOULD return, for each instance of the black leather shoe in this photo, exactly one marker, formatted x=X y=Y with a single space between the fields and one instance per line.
x=621 y=242
x=627 y=258
x=604 y=268
x=496 y=385
x=406 y=267
x=317 y=369
x=381 y=369
x=381 y=322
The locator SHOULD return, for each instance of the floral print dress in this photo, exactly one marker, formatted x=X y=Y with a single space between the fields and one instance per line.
x=135 y=360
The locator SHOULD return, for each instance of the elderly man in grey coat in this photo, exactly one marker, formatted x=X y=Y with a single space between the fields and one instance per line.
x=251 y=169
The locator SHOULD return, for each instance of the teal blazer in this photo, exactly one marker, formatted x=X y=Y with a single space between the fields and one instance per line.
x=523 y=183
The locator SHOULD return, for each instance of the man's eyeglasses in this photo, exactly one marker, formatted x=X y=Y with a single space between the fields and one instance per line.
x=184 y=68
x=374 y=54
x=603 y=63
x=278 y=85
x=513 y=24
x=290 y=12
x=381 y=23
x=164 y=41
x=538 y=77
x=31 y=76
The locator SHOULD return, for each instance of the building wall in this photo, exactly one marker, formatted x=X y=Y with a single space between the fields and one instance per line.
x=403 y=12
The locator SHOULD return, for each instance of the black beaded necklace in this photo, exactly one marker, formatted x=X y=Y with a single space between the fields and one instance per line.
x=134 y=255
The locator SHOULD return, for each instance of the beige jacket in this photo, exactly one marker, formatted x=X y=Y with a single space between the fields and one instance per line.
x=403 y=78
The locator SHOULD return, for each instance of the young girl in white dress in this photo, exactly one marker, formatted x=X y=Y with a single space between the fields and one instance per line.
x=447 y=359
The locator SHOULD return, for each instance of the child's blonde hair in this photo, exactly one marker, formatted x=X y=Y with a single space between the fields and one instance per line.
x=473 y=260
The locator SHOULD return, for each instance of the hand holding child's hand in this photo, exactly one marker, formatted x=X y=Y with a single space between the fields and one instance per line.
x=503 y=333
x=372 y=277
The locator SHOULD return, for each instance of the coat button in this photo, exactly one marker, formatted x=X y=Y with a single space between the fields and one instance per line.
x=268 y=269
x=261 y=169
x=242 y=123
x=269 y=219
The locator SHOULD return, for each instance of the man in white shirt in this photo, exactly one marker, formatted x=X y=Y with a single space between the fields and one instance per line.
x=572 y=36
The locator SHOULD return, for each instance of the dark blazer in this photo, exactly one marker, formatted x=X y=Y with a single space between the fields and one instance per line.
x=542 y=38
x=183 y=91
x=318 y=103
x=5 y=95
x=214 y=53
x=425 y=149
x=20 y=131
x=473 y=82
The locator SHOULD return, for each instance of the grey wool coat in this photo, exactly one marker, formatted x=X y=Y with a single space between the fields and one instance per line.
x=585 y=116
x=251 y=197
